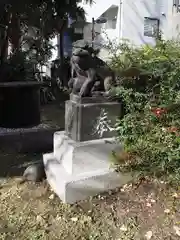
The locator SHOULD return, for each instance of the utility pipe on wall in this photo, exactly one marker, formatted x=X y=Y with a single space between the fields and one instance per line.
x=120 y=19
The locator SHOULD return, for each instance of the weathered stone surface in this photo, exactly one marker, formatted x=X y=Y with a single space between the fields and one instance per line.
x=94 y=99
x=80 y=165
x=87 y=118
x=37 y=139
x=89 y=155
x=89 y=178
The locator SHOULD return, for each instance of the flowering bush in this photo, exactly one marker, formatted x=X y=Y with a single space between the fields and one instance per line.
x=159 y=111
x=150 y=128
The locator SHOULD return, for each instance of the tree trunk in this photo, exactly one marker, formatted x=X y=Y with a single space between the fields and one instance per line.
x=61 y=54
x=61 y=46
x=12 y=32
x=4 y=45
x=15 y=33
x=5 y=31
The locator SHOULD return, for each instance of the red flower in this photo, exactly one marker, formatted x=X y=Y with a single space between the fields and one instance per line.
x=173 y=130
x=158 y=111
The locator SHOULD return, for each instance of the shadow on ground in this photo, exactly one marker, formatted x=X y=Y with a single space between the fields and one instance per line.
x=13 y=165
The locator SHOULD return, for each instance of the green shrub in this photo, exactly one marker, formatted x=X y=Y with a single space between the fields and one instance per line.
x=149 y=87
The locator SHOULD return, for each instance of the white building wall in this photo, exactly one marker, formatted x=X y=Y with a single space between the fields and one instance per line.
x=130 y=20
x=173 y=27
x=133 y=14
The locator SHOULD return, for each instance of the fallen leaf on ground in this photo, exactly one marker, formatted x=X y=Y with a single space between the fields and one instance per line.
x=175 y=195
x=123 y=228
x=167 y=211
x=101 y=197
x=148 y=235
x=52 y=196
x=148 y=205
x=58 y=217
x=86 y=219
x=126 y=187
x=74 y=219
x=39 y=219
x=177 y=230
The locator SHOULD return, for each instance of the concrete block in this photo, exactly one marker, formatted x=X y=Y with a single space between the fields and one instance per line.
x=75 y=187
x=77 y=157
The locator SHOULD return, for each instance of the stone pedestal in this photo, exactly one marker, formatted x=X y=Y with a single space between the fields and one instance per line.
x=77 y=171
x=85 y=117
x=80 y=165
x=72 y=154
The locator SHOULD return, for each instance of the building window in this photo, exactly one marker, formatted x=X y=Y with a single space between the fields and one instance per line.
x=111 y=24
x=151 y=27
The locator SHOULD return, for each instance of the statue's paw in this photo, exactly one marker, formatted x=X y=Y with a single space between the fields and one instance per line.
x=96 y=93
x=106 y=94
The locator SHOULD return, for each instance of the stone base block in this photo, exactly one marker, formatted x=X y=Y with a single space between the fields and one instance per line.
x=79 y=157
x=75 y=187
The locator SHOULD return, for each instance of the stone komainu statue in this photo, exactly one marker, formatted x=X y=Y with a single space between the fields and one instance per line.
x=89 y=74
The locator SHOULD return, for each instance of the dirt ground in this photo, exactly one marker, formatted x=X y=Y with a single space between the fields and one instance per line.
x=29 y=211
